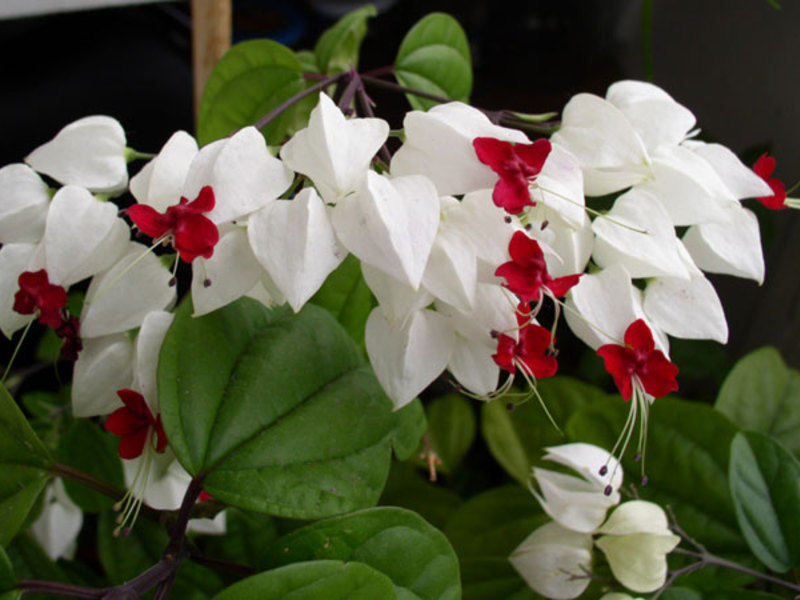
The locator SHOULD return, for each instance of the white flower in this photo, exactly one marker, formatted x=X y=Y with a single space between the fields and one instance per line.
x=58 y=525
x=556 y=562
x=579 y=503
x=24 y=200
x=160 y=181
x=636 y=540
x=89 y=152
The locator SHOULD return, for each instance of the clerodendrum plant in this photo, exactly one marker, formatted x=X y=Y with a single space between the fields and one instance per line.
x=266 y=302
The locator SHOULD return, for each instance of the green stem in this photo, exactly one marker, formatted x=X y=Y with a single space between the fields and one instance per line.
x=273 y=114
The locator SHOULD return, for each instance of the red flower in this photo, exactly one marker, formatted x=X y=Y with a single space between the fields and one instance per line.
x=517 y=165
x=532 y=353
x=193 y=234
x=638 y=360
x=526 y=273
x=133 y=423
x=764 y=167
x=37 y=293
x=69 y=331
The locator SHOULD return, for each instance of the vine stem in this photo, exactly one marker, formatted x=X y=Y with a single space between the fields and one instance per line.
x=271 y=115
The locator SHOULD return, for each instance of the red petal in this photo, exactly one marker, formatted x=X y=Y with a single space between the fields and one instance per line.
x=533 y=350
x=523 y=282
x=765 y=166
x=559 y=287
x=161 y=436
x=204 y=202
x=620 y=363
x=534 y=154
x=135 y=403
x=639 y=337
x=658 y=375
x=131 y=446
x=123 y=422
x=512 y=195
x=195 y=235
x=149 y=220
x=525 y=250
x=506 y=347
x=492 y=152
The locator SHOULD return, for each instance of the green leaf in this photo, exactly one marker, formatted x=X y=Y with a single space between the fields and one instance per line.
x=251 y=79
x=90 y=449
x=434 y=57
x=338 y=47
x=346 y=296
x=277 y=410
x=317 y=580
x=494 y=523
x=451 y=424
x=31 y=562
x=686 y=463
x=407 y=487
x=377 y=537
x=762 y=394
x=493 y=579
x=308 y=61
x=24 y=464
x=7 y=578
x=246 y=534
x=516 y=438
x=765 y=485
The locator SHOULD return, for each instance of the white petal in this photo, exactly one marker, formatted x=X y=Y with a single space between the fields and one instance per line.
x=605 y=144
x=390 y=224
x=560 y=187
x=160 y=181
x=231 y=272
x=554 y=561
x=242 y=172
x=294 y=241
x=573 y=503
x=741 y=181
x=451 y=272
x=120 y=298
x=333 y=151
x=656 y=117
x=731 y=246
x=587 y=459
x=439 y=146
x=397 y=299
x=83 y=236
x=89 y=152
x=478 y=219
x=104 y=366
x=166 y=483
x=58 y=525
x=472 y=365
x=636 y=516
x=572 y=248
x=14 y=260
x=406 y=360
x=215 y=526
x=621 y=238
x=148 y=346
x=24 y=201
x=686 y=309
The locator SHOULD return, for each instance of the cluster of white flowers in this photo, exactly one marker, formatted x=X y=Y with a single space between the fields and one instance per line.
x=556 y=559
x=458 y=269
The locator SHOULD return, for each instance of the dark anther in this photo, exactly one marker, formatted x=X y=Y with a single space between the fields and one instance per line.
x=645 y=480
x=637 y=457
x=495 y=334
x=528 y=227
x=173 y=282
x=545 y=223
x=510 y=406
x=607 y=491
x=507 y=219
x=206 y=282
x=603 y=470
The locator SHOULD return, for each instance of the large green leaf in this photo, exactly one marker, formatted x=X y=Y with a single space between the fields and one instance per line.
x=686 y=462
x=7 y=578
x=516 y=438
x=408 y=488
x=451 y=424
x=317 y=580
x=278 y=411
x=246 y=534
x=493 y=578
x=251 y=79
x=90 y=449
x=762 y=394
x=346 y=296
x=765 y=485
x=434 y=57
x=494 y=523
x=24 y=464
x=377 y=537
x=337 y=48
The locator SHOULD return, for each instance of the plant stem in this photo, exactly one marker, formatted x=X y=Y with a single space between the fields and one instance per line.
x=395 y=87
x=366 y=106
x=271 y=115
x=101 y=486
x=31 y=586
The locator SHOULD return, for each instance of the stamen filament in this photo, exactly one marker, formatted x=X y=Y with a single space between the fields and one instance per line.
x=125 y=271
x=16 y=351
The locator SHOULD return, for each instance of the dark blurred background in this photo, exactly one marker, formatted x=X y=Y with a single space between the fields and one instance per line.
x=733 y=63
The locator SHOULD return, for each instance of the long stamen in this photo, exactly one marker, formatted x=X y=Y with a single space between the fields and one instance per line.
x=594 y=212
x=531 y=381
x=16 y=350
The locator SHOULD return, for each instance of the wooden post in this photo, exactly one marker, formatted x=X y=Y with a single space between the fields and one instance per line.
x=211 y=38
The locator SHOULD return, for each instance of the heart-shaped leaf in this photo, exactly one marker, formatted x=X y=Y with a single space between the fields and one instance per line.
x=434 y=57
x=761 y=393
x=377 y=537
x=316 y=580
x=765 y=485
x=24 y=467
x=251 y=79
x=451 y=423
x=277 y=411
x=338 y=47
